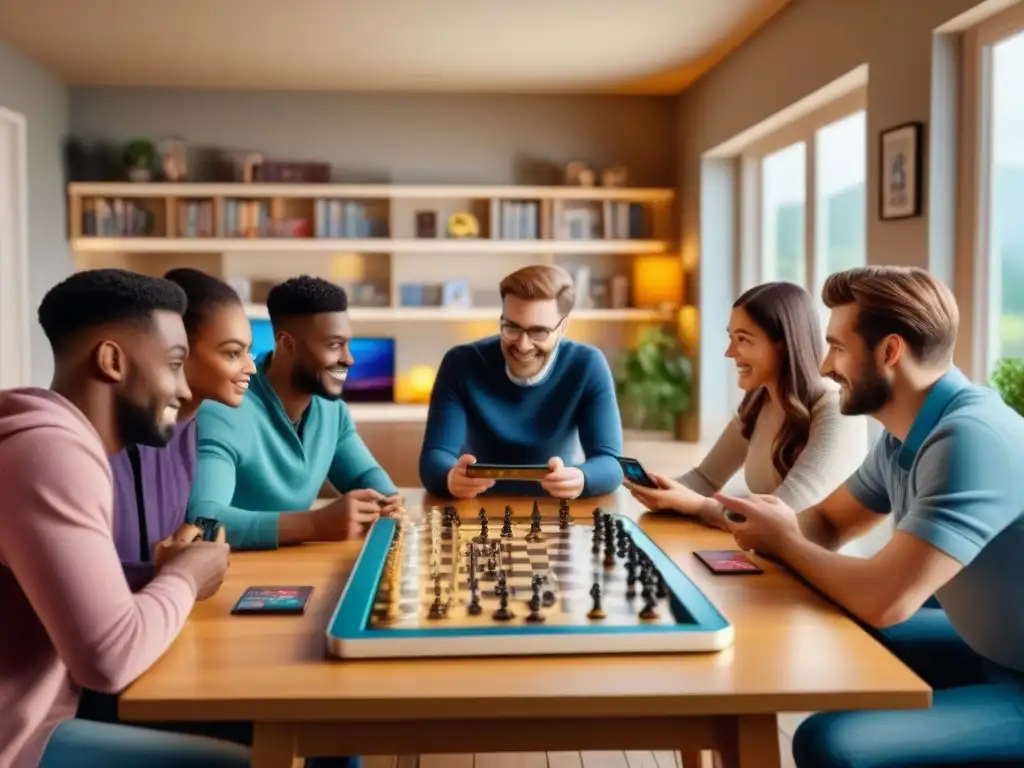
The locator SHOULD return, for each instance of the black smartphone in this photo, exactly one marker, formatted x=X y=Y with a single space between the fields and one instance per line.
x=508 y=471
x=635 y=472
x=208 y=528
x=284 y=601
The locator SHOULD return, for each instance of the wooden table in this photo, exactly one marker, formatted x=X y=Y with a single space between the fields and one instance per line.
x=793 y=652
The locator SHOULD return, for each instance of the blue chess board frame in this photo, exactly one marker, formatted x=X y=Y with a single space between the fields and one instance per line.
x=350 y=635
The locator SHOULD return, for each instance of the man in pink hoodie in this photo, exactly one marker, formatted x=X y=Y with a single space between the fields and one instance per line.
x=70 y=619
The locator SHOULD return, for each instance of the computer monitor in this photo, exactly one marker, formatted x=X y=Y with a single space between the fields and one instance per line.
x=370 y=380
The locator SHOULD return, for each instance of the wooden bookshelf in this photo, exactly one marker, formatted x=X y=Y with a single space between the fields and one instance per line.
x=366 y=238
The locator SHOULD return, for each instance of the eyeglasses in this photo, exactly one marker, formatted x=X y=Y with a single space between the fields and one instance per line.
x=512 y=332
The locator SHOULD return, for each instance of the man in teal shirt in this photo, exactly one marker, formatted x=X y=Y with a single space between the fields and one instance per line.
x=948 y=470
x=261 y=465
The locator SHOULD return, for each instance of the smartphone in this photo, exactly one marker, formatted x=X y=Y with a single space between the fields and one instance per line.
x=508 y=471
x=635 y=472
x=727 y=561
x=282 y=601
x=208 y=528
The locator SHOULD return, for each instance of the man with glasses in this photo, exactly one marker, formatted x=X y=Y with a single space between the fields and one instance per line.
x=526 y=396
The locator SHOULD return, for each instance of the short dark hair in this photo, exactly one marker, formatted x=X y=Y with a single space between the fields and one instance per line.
x=907 y=301
x=204 y=292
x=98 y=297
x=305 y=295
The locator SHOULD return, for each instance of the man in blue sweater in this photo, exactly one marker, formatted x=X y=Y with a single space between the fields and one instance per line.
x=261 y=465
x=526 y=396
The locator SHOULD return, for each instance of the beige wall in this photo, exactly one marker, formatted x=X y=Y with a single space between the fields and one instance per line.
x=811 y=44
x=404 y=138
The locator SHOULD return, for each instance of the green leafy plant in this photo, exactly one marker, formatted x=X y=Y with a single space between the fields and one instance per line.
x=655 y=381
x=1008 y=381
x=140 y=157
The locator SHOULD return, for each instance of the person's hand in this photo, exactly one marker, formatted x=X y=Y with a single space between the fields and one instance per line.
x=563 y=482
x=462 y=486
x=391 y=505
x=669 y=495
x=186 y=534
x=348 y=516
x=203 y=563
x=759 y=522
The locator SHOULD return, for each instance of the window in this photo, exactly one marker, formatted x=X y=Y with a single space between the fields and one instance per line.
x=810 y=179
x=995 y=61
x=841 y=168
x=1006 y=201
x=783 y=208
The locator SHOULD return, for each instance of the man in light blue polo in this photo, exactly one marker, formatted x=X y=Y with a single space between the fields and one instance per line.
x=949 y=470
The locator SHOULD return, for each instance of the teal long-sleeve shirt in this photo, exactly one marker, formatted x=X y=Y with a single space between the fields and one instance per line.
x=475 y=408
x=253 y=465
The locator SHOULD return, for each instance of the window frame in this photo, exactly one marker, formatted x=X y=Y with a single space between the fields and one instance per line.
x=750 y=267
x=974 y=274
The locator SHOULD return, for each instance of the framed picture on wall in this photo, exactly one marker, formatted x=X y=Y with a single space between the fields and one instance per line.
x=901 y=158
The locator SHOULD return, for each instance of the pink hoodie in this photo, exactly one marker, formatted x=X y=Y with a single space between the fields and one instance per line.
x=69 y=619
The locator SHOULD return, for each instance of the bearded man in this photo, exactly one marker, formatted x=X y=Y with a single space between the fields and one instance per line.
x=526 y=396
x=261 y=465
x=947 y=470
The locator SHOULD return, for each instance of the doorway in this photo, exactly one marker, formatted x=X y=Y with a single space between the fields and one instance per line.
x=14 y=312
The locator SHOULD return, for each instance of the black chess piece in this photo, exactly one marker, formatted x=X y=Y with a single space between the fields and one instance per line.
x=597 y=612
x=564 y=517
x=437 y=610
x=596 y=541
x=474 y=609
x=535 y=616
x=535 y=520
x=649 y=611
x=506 y=527
x=609 y=552
x=502 y=613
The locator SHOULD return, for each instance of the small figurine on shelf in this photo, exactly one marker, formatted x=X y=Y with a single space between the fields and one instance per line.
x=173 y=158
x=579 y=174
x=614 y=176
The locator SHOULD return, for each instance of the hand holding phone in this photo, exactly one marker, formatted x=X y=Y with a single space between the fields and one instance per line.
x=461 y=484
x=635 y=473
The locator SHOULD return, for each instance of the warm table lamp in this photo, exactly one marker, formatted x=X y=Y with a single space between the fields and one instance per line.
x=657 y=281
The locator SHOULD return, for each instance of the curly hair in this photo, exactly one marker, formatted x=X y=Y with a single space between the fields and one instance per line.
x=305 y=295
x=204 y=293
x=99 y=297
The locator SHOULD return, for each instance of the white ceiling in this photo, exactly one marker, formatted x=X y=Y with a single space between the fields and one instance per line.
x=639 y=46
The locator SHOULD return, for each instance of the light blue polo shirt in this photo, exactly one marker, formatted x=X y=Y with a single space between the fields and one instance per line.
x=958 y=484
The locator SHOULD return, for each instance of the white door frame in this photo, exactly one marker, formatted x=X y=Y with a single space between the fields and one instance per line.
x=14 y=301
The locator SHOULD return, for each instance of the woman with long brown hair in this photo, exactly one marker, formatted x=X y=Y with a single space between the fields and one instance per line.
x=788 y=435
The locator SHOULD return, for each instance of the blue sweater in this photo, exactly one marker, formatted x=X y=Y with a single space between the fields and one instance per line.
x=475 y=408
x=252 y=464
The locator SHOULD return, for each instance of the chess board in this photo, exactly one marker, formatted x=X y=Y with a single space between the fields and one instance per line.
x=543 y=584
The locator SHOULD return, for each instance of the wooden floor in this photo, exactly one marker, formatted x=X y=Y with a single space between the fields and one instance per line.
x=787 y=724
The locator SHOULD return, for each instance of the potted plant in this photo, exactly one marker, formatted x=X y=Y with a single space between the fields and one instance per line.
x=1008 y=381
x=140 y=158
x=654 y=382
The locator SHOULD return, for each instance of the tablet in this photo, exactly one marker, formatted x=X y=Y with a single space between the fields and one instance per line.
x=508 y=471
